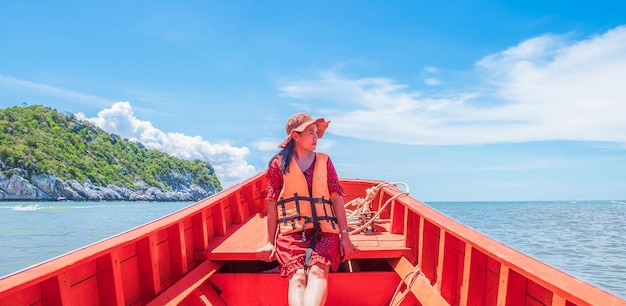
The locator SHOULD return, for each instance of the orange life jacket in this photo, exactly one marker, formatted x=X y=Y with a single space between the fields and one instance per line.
x=297 y=209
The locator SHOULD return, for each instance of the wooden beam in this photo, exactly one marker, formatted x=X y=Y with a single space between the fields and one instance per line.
x=440 y=260
x=186 y=285
x=219 y=219
x=147 y=258
x=421 y=288
x=110 y=284
x=467 y=263
x=200 y=233
x=503 y=285
x=178 y=250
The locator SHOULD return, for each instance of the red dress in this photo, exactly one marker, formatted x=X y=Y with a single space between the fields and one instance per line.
x=290 y=250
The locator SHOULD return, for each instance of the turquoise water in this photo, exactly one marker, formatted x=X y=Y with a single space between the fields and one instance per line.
x=584 y=239
x=31 y=232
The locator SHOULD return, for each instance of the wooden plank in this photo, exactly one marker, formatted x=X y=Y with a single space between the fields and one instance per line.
x=502 y=285
x=130 y=279
x=421 y=287
x=412 y=234
x=110 y=280
x=56 y=290
x=148 y=268
x=181 y=289
x=241 y=242
x=200 y=233
x=177 y=250
x=467 y=263
x=477 y=279
x=451 y=268
x=558 y=300
x=430 y=250
x=440 y=259
x=271 y=289
x=398 y=220
x=219 y=219
x=516 y=288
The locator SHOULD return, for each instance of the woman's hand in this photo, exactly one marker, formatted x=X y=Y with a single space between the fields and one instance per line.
x=266 y=252
x=346 y=248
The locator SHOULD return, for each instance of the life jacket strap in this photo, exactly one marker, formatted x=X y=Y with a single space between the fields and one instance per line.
x=309 y=250
x=314 y=218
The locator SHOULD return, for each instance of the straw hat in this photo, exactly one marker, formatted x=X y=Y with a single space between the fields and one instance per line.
x=299 y=122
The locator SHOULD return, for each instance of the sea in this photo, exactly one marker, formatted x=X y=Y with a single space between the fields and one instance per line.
x=585 y=239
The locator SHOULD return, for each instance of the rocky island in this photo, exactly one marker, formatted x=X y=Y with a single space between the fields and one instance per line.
x=48 y=156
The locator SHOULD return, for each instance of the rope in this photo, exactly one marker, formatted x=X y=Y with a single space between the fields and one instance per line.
x=412 y=277
x=363 y=205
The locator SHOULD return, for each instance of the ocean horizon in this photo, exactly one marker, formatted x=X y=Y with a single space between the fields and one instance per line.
x=581 y=238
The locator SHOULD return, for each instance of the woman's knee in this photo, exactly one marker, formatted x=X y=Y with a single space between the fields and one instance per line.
x=319 y=271
x=298 y=278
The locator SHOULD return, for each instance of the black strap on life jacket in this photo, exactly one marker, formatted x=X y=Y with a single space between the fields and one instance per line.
x=314 y=218
x=309 y=250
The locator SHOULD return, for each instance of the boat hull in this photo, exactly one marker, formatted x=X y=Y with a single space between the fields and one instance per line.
x=204 y=255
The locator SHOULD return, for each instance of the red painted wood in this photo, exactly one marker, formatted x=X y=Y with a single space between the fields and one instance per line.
x=29 y=296
x=397 y=218
x=492 y=278
x=516 y=289
x=412 y=236
x=478 y=268
x=430 y=251
x=178 y=251
x=130 y=279
x=110 y=286
x=219 y=219
x=271 y=289
x=190 y=282
x=55 y=290
x=200 y=233
x=450 y=280
x=538 y=293
x=148 y=268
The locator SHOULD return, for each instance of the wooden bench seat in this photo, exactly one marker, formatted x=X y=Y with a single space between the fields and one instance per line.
x=242 y=240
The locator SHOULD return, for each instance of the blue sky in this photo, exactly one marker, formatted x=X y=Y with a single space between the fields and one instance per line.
x=464 y=101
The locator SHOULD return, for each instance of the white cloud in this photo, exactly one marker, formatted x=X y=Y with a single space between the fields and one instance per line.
x=266 y=145
x=432 y=81
x=229 y=162
x=545 y=88
x=431 y=69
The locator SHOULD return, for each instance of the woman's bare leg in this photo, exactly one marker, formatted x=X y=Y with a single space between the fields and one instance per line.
x=316 y=285
x=297 y=286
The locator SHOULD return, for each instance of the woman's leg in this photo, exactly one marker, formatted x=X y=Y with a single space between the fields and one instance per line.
x=316 y=285
x=297 y=285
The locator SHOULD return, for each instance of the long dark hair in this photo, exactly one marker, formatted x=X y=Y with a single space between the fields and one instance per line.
x=285 y=156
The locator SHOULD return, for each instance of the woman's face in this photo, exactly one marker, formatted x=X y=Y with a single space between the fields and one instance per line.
x=307 y=139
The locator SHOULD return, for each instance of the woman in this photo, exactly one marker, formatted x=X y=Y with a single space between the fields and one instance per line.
x=307 y=233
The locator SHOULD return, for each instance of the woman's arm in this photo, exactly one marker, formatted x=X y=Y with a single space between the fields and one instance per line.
x=272 y=217
x=346 y=248
x=267 y=251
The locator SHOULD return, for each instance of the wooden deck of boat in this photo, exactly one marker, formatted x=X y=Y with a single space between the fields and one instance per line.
x=241 y=242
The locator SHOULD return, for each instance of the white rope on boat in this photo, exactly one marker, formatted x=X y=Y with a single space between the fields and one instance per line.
x=364 y=205
x=412 y=277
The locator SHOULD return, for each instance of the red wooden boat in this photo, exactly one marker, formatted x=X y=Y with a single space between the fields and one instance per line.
x=205 y=255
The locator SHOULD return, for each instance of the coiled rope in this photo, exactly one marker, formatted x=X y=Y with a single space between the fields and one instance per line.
x=364 y=205
x=360 y=206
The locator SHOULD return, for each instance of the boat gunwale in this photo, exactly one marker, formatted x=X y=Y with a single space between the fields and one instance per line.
x=57 y=265
x=571 y=288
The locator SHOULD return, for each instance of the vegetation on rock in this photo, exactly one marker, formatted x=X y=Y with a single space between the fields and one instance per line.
x=39 y=140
